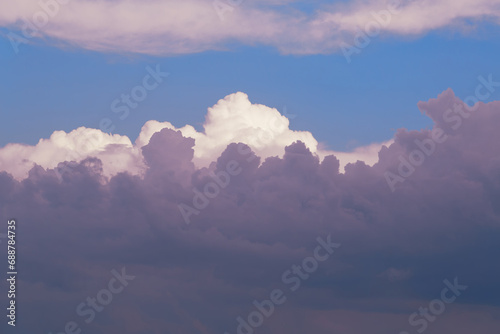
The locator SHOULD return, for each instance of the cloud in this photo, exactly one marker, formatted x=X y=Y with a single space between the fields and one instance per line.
x=116 y=152
x=397 y=247
x=171 y=27
x=233 y=119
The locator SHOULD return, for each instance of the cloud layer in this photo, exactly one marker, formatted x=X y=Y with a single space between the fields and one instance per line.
x=177 y=27
x=396 y=250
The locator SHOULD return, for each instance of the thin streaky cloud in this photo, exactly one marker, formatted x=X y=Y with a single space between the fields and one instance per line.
x=174 y=27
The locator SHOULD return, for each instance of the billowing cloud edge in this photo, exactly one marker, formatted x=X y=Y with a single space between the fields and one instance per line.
x=233 y=119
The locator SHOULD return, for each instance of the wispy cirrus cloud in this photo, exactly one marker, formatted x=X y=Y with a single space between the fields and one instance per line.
x=178 y=27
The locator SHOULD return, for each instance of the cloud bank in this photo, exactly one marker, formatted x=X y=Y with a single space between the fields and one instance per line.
x=397 y=248
x=171 y=27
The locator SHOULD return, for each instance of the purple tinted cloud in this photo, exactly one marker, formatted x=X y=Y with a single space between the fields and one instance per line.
x=398 y=246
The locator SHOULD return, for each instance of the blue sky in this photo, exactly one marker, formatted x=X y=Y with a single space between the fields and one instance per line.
x=44 y=88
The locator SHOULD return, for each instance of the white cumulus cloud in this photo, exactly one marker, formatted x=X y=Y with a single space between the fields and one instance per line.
x=233 y=119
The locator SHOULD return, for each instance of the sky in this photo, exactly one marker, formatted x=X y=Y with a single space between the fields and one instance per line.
x=208 y=148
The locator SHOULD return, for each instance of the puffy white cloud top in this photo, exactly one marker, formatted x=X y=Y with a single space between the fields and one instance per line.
x=233 y=119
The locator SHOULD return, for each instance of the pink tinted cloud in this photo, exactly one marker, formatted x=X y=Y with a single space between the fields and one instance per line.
x=397 y=247
x=176 y=27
